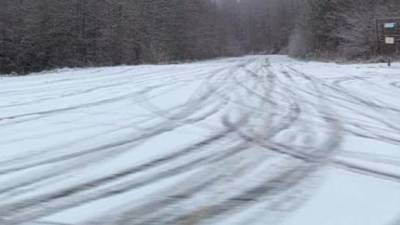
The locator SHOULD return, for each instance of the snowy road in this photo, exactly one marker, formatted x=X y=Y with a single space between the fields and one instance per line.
x=251 y=140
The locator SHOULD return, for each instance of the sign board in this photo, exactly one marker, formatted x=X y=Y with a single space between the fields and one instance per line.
x=389 y=25
x=389 y=40
x=387 y=36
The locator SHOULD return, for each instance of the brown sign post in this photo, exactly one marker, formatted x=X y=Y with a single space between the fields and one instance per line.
x=388 y=37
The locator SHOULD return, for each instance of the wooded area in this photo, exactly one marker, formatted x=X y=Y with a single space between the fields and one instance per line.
x=44 y=34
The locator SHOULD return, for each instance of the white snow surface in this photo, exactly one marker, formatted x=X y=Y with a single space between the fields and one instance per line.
x=249 y=140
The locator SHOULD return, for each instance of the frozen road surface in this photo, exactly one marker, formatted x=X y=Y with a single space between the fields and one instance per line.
x=258 y=140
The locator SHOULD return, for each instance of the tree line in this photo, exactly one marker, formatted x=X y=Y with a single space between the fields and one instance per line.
x=38 y=35
x=340 y=28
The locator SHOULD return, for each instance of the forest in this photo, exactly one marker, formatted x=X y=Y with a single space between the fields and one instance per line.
x=40 y=35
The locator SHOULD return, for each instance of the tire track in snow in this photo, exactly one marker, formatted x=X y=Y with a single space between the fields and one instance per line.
x=264 y=116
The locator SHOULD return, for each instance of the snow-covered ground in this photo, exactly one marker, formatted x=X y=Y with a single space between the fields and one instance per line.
x=251 y=140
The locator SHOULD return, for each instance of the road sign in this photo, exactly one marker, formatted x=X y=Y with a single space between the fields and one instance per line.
x=389 y=40
x=390 y=25
x=388 y=36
